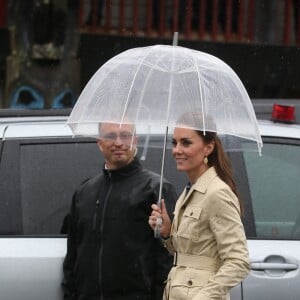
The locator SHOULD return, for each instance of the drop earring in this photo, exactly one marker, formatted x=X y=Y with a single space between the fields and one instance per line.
x=205 y=160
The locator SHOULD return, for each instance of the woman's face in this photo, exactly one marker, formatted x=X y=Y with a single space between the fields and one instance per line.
x=189 y=151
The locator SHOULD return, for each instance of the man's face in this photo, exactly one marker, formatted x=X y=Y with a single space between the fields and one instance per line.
x=118 y=144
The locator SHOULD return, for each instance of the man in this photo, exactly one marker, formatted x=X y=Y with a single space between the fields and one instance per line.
x=112 y=253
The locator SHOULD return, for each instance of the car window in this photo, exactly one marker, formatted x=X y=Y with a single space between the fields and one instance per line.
x=274 y=183
x=49 y=174
x=39 y=178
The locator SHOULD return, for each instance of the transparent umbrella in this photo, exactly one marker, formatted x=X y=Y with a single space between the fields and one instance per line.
x=154 y=86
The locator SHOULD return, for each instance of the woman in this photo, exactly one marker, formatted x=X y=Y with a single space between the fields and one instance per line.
x=206 y=236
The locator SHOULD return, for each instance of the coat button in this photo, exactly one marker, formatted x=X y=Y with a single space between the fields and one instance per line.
x=191 y=213
x=190 y=282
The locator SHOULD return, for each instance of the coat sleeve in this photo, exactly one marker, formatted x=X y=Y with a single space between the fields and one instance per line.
x=164 y=260
x=70 y=258
x=227 y=227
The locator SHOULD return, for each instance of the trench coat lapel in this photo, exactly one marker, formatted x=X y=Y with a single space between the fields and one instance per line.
x=203 y=182
x=200 y=186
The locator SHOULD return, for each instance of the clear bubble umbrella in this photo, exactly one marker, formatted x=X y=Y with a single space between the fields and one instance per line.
x=155 y=86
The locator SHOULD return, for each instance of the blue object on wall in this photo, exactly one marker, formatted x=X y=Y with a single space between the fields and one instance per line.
x=64 y=99
x=26 y=97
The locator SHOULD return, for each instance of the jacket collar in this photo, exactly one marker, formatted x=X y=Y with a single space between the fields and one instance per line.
x=204 y=180
x=123 y=172
x=201 y=184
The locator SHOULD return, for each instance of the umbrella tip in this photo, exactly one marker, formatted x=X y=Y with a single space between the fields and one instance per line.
x=175 y=38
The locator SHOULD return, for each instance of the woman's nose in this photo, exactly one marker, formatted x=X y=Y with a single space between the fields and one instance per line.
x=176 y=149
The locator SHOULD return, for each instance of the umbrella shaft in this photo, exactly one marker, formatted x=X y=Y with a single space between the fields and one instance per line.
x=162 y=167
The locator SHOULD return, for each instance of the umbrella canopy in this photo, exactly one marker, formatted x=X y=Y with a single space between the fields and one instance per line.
x=155 y=86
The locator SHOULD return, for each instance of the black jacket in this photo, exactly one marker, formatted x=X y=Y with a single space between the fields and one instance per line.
x=112 y=253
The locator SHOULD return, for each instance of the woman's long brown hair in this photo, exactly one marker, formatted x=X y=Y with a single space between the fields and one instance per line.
x=220 y=161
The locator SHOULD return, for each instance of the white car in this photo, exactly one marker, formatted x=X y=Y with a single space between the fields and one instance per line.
x=41 y=164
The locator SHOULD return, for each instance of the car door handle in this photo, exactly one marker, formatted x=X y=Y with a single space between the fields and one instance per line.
x=273 y=266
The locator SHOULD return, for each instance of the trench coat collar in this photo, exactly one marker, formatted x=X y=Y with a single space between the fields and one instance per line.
x=121 y=173
x=204 y=180
x=200 y=185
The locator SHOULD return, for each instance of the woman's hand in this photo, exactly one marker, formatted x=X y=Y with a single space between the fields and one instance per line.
x=162 y=213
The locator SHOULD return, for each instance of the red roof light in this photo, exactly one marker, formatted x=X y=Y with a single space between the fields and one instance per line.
x=283 y=113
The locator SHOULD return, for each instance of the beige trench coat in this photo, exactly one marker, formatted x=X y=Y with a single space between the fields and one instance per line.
x=209 y=243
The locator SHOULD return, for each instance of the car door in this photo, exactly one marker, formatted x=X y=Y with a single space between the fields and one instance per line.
x=274 y=244
x=37 y=179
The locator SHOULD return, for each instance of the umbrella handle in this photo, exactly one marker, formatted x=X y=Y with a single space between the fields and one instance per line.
x=157 y=228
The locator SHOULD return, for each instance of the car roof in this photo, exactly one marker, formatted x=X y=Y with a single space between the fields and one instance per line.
x=270 y=128
x=52 y=123
x=263 y=110
x=263 y=107
x=34 y=123
x=56 y=127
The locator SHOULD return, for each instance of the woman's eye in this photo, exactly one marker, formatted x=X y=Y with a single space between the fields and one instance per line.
x=183 y=143
x=186 y=142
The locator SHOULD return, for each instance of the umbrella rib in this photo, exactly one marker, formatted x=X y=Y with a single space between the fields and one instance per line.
x=202 y=99
x=143 y=89
x=131 y=86
x=143 y=157
x=165 y=139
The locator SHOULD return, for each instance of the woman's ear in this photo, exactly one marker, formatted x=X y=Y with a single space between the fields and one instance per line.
x=209 y=148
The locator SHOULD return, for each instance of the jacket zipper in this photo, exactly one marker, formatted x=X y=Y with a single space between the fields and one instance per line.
x=101 y=235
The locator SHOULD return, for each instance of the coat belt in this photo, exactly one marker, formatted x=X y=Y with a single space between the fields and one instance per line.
x=195 y=261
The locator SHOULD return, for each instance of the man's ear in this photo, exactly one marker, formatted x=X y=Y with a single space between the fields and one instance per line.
x=99 y=143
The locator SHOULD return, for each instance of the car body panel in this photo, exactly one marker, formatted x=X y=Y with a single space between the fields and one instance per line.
x=275 y=270
x=31 y=254
x=31 y=268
